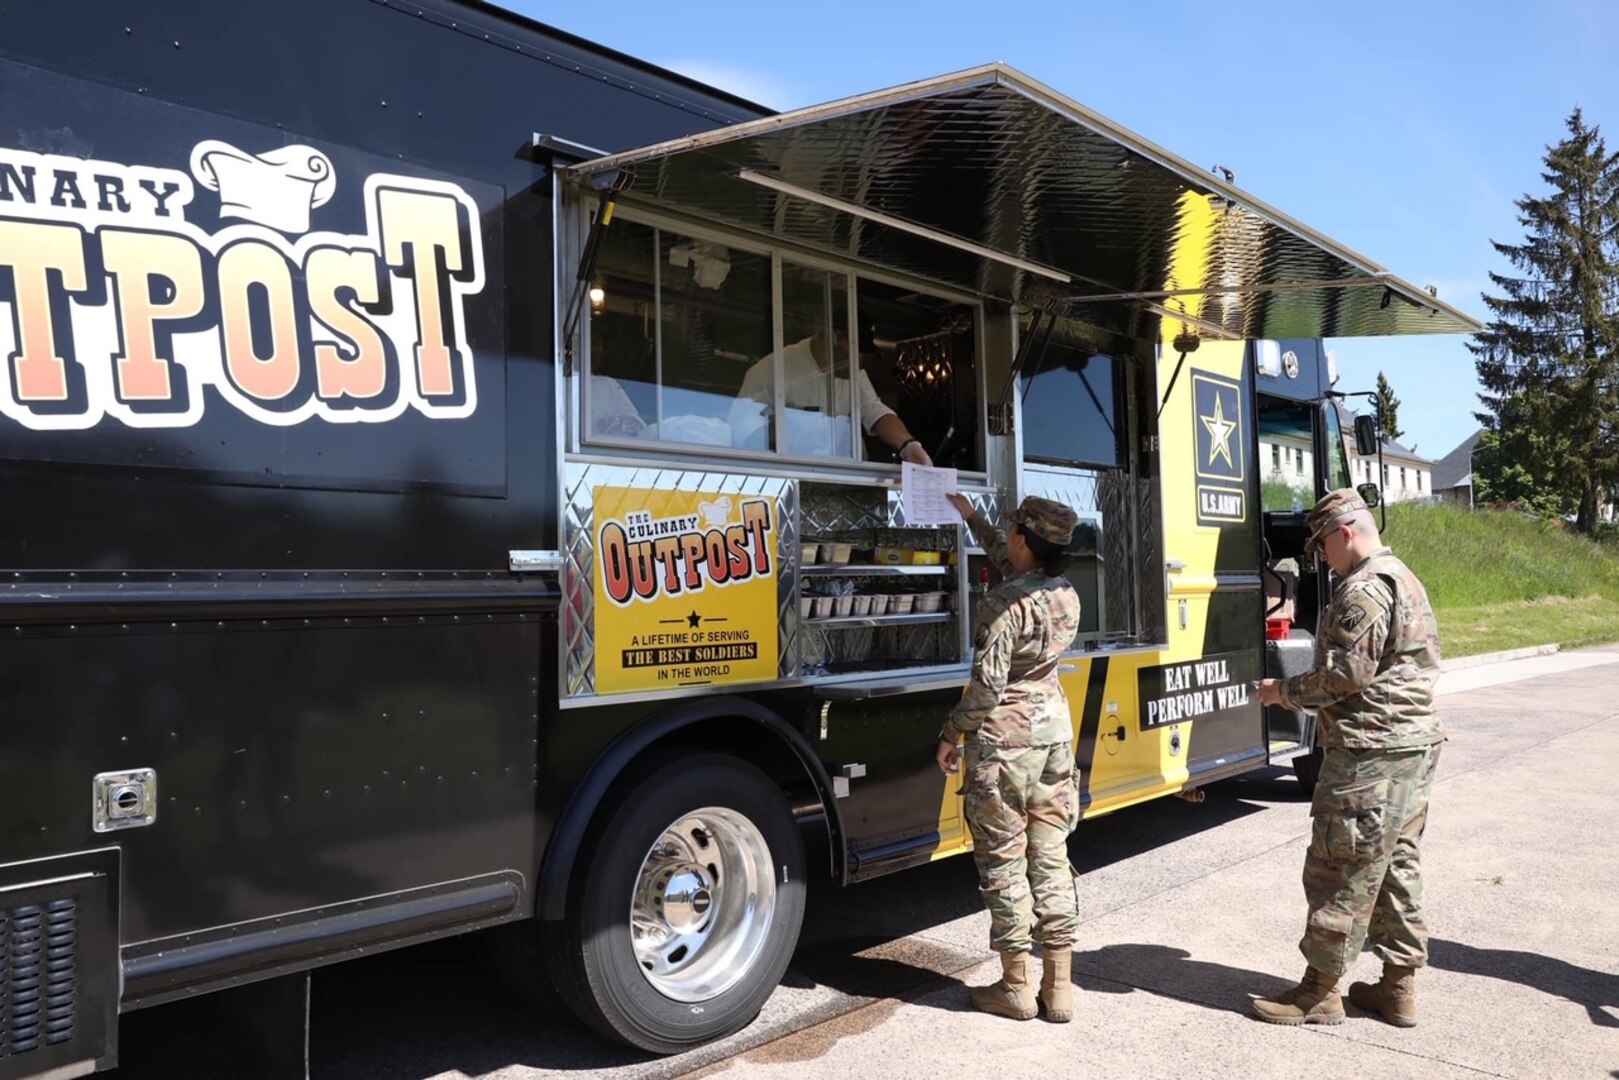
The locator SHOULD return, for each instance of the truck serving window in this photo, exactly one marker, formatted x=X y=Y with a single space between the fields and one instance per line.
x=920 y=353
x=682 y=350
x=675 y=325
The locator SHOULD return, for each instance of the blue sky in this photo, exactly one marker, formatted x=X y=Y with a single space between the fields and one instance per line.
x=1404 y=130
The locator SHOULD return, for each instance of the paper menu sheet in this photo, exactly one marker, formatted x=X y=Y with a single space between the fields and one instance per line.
x=924 y=489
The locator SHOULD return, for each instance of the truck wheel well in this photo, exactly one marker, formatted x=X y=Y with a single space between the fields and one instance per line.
x=748 y=732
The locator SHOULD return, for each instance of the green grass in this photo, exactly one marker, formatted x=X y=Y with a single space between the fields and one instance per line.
x=1499 y=580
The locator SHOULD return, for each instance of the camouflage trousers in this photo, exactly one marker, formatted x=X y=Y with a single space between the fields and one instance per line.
x=1363 y=874
x=1021 y=805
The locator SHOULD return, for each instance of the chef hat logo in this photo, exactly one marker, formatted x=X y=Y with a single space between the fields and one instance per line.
x=277 y=188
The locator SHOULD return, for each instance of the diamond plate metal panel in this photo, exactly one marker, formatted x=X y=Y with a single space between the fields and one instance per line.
x=828 y=510
x=579 y=561
x=1126 y=514
x=1152 y=585
x=1097 y=219
x=989 y=502
x=1121 y=551
x=1076 y=488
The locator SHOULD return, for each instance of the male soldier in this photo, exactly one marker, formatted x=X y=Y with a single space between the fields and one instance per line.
x=1020 y=798
x=1376 y=657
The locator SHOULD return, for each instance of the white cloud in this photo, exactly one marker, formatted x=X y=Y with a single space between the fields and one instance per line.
x=762 y=87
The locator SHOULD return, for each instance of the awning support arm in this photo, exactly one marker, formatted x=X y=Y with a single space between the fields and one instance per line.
x=1039 y=364
x=611 y=184
x=1044 y=318
x=1091 y=390
x=1185 y=343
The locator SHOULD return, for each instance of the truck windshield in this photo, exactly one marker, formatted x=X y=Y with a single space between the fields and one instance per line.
x=1337 y=453
x=1286 y=454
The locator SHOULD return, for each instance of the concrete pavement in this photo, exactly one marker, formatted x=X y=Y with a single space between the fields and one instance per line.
x=1522 y=866
x=1468 y=674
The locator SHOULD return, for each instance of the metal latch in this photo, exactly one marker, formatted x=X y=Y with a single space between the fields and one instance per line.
x=840 y=783
x=124 y=800
x=1000 y=419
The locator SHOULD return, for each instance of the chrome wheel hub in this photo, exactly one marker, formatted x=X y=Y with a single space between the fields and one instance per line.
x=702 y=906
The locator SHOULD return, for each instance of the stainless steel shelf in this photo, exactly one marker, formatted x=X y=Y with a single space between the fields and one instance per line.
x=849 y=570
x=851 y=622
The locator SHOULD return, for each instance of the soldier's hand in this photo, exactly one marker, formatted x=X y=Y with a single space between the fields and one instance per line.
x=946 y=755
x=1270 y=692
x=963 y=505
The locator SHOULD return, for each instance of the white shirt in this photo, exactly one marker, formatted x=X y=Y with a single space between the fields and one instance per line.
x=806 y=389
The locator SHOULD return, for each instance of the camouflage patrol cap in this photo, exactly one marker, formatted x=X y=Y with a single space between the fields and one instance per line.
x=1331 y=507
x=1046 y=518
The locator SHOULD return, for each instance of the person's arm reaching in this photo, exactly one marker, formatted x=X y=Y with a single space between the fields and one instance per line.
x=991 y=539
x=885 y=423
x=1355 y=629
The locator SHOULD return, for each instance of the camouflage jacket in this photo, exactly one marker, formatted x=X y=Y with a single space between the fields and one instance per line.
x=1020 y=631
x=1376 y=659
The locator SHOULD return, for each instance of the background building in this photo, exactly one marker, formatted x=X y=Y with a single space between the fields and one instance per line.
x=1289 y=461
x=1453 y=473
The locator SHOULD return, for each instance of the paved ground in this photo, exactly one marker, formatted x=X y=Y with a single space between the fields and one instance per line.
x=1190 y=910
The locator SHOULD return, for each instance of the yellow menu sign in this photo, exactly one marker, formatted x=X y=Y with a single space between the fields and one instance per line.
x=685 y=588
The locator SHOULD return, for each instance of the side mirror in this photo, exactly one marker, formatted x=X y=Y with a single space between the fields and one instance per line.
x=1365 y=436
x=1369 y=491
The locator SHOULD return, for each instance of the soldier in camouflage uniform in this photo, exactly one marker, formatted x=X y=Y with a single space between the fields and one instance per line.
x=1376 y=658
x=1021 y=799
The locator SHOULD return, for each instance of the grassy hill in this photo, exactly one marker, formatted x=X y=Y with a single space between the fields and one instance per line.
x=1499 y=580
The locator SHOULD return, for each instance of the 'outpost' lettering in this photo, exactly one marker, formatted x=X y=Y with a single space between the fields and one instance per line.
x=119 y=306
x=686 y=561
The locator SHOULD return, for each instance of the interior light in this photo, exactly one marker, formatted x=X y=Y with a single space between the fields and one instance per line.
x=598 y=297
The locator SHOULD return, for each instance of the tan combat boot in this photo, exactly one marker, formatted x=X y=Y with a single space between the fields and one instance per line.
x=1056 y=984
x=1012 y=997
x=1393 y=997
x=1314 y=1000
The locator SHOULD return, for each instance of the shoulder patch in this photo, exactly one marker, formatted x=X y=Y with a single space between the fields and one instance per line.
x=1354 y=613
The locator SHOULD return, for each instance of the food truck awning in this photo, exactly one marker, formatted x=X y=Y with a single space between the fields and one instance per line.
x=988 y=181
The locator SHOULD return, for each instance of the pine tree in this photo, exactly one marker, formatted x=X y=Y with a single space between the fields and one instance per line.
x=1511 y=464
x=1388 y=409
x=1549 y=360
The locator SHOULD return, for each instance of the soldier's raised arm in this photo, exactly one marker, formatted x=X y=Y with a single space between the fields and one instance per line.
x=1355 y=629
x=992 y=540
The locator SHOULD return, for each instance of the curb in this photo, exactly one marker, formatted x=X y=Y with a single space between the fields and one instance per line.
x=1462 y=662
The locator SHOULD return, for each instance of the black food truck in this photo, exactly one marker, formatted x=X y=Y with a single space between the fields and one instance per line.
x=450 y=480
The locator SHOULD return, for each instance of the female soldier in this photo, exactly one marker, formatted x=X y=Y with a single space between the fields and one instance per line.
x=1020 y=797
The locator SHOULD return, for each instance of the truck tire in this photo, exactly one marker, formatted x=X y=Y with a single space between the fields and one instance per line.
x=688 y=907
x=1307 y=767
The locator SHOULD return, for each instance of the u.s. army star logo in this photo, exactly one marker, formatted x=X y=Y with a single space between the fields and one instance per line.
x=1220 y=430
x=1221 y=451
